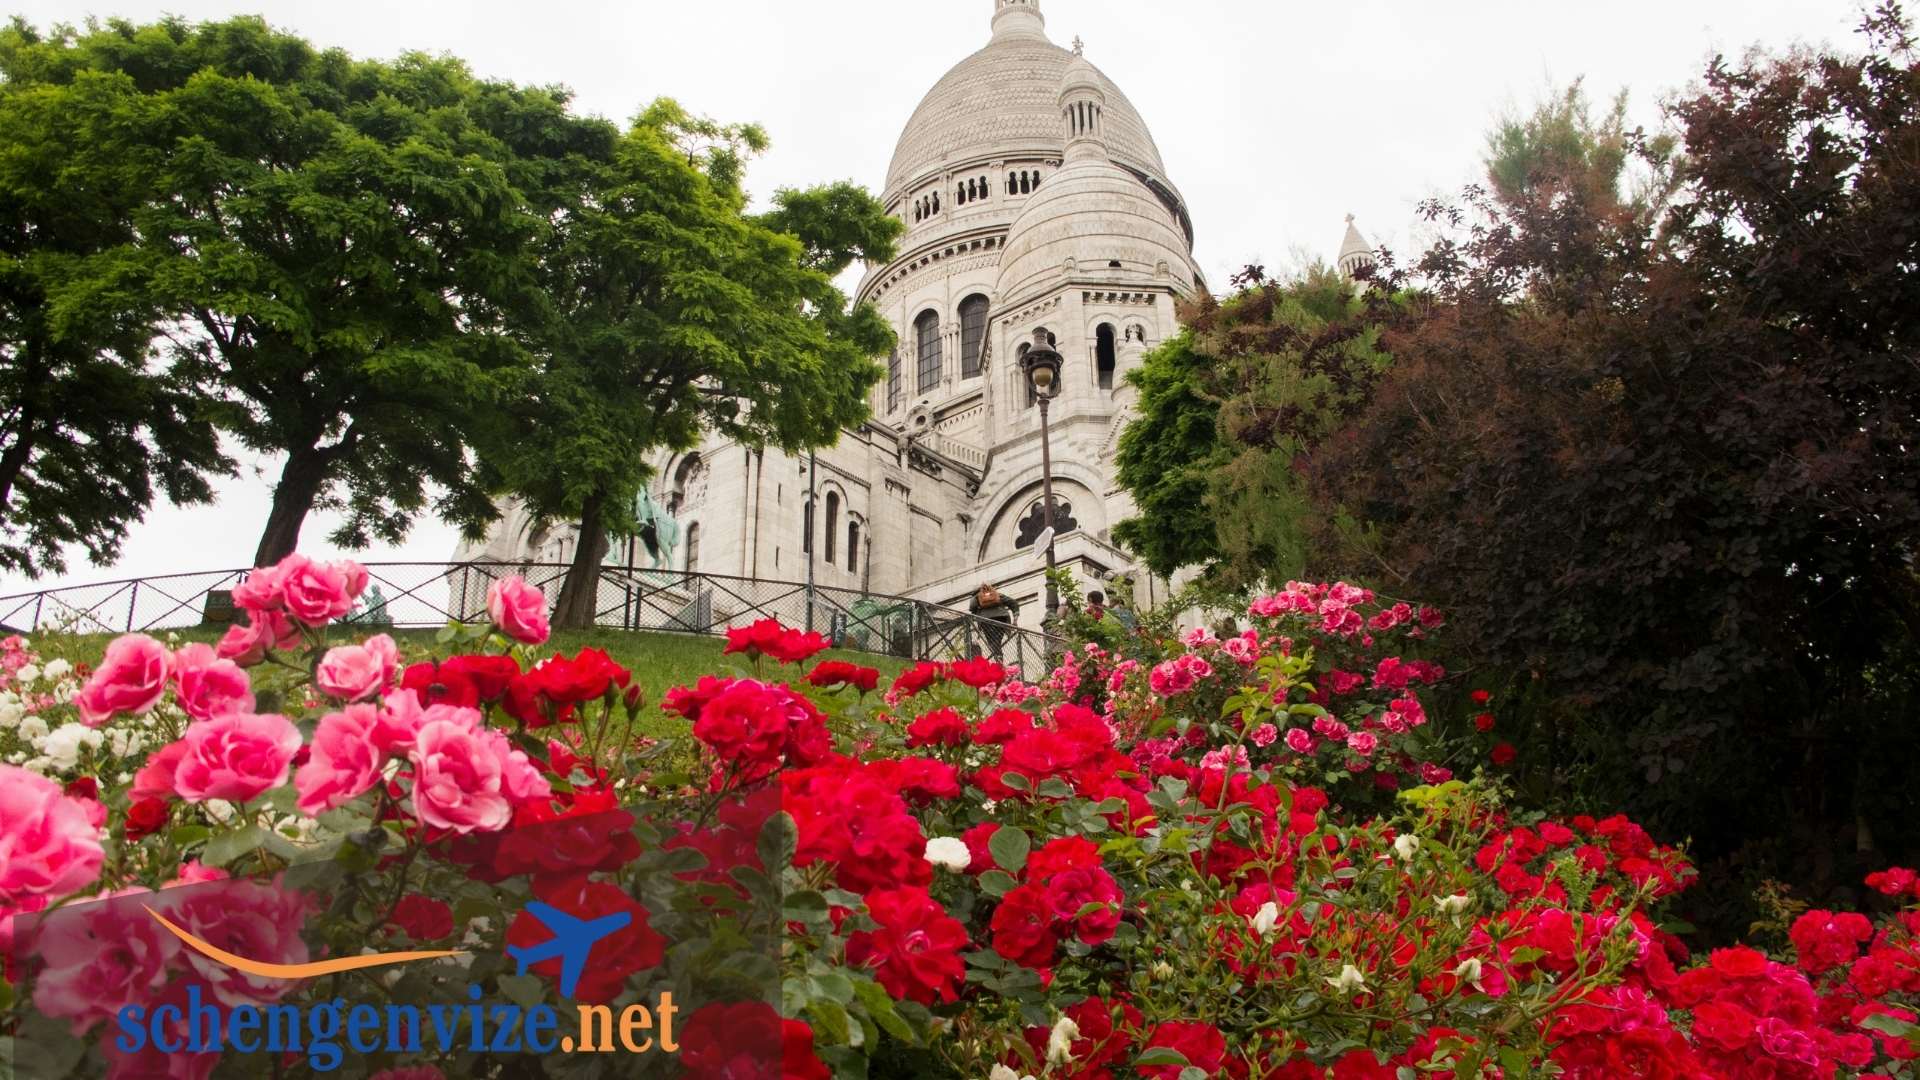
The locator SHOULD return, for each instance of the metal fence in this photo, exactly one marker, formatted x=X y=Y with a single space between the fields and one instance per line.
x=417 y=595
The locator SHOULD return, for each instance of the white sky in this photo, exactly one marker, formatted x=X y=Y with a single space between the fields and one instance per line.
x=1275 y=118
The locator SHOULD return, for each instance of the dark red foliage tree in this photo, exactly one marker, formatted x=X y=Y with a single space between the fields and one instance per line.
x=1662 y=465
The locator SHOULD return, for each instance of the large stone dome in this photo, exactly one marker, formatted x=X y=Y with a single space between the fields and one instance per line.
x=1093 y=215
x=1002 y=101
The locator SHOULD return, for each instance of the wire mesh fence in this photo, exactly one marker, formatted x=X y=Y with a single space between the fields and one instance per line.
x=419 y=595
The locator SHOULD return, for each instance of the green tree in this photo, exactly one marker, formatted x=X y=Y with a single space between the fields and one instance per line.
x=1226 y=409
x=1565 y=147
x=673 y=313
x=343 y=242
x=92 y=425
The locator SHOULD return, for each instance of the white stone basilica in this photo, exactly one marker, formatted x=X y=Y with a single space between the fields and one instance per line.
x=1034 y=199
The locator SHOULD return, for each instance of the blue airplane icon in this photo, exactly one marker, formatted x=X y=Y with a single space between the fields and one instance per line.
x=573 y=940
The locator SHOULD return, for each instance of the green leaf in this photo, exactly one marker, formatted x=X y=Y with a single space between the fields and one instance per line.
x=1161 y=1055
x=879 y=1005
x=524 y=990
x=1010 y=847
x=997 y=883
x=226 y=847
x=779 y=838
x=1016 y=781
x=831 y=1021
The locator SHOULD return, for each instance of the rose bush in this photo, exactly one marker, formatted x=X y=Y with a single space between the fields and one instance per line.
x=1263 y=855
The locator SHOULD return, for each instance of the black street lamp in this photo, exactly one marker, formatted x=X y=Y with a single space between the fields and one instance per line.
x=1043 y=373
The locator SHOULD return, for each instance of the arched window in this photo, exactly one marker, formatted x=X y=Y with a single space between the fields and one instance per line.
x=936 y=202
x=1020 y=369
x=1104 y=359
x=973 y=334
x=1035 y=522
x=893 y=379
x=853 y=546
x=1026 y=183
x=693 y=547
x=833 y=523
x=926 y=331
x=806 y=522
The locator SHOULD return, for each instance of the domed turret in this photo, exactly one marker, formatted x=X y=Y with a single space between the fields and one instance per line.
x=1018 y=19
x=1093 y=218
x=1355 y=252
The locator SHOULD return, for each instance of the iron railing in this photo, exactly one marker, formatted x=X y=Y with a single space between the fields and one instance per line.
x=417 y=595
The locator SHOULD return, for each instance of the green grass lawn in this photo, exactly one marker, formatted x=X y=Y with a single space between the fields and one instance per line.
x=659 y=662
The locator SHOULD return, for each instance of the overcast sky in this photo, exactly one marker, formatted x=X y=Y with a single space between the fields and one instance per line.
x=1276 y=118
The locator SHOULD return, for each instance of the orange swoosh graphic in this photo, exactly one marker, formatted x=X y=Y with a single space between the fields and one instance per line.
x=295 y=971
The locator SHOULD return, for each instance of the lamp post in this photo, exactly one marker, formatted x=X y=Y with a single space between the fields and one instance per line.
x=1043 y=372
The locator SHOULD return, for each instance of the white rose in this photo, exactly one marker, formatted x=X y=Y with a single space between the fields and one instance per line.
x=1349 y=980
x=64 y=744
x=1001 y=1072
x=1453 y=905
x=33 y=729
x=1469 y=972
x=1266 y=918
x=1060 y=1041
x=949 y=853
x=1405 y=845
x=57 y=669
x=28 y=674
x=10 y=715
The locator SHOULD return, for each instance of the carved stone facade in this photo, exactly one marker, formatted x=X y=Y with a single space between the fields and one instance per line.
x=1034 y=199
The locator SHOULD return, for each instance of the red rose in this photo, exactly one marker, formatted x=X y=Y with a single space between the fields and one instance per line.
x=832 y=673
x=1825 y=940
x=755 y=728
x=1484 y=722
x=1071 y=891
x=1023 y=927
x=1504 y=754
x=942 y=727
x=490 y=675
x=1894 y=881
x=1201 y=1044
x=915 y=952
x=728 y=1040
x=422 y=918
x=1102 y=1044
x=1738 y=962
x=1481 y=697
x=586 y=677
x=145 y=817
x=1003 y=726
x=636 y=947
x=543 y=846
x=688 y=701
x=437 y=685
x=798 y=1059
x=768 y=638
x=977 y=672
x=85 y=787
x=917 y=678
x=977 y=839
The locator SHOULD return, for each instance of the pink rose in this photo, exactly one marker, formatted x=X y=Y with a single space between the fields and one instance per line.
x=155 y=778
x=1363 y=743
x=261 y=591
x=236 y=757
x=257 y=919
x=399 y=721
x=318 y=593
x=468 y=777
x=207 y=686
x=131 y=678
x=99 y=957
x=1299 y=741
x=247 y=645
x=344 y=763
x=48 y=844
x=519 y=610
x=353 y=672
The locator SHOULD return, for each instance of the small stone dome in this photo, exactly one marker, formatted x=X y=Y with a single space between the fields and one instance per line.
x=1003 y=101
x=1097 y=213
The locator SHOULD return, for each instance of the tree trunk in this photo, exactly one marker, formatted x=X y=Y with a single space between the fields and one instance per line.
x=12 y=464
x=580 y=594
x=300 y=482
